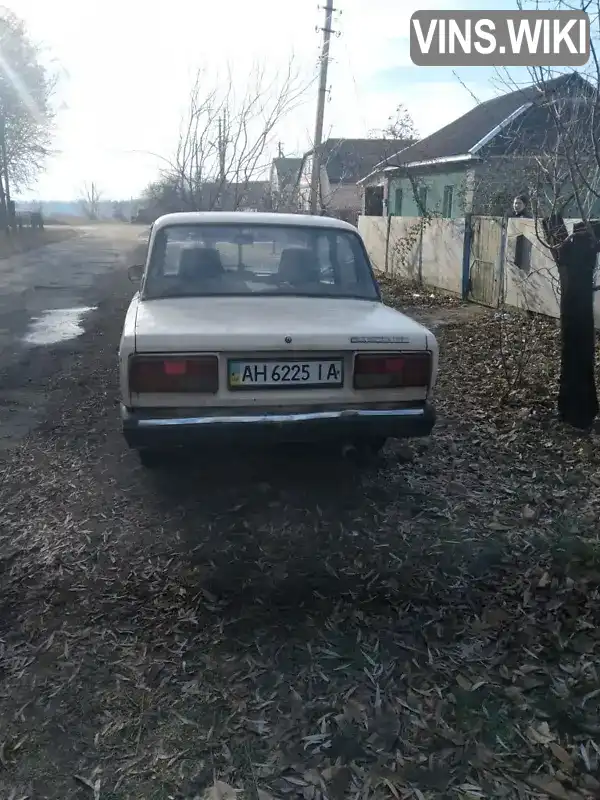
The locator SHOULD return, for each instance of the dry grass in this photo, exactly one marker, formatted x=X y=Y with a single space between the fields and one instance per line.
x=278 y=628
x=30 y=239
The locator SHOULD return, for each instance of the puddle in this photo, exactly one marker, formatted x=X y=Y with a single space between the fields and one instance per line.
x=57 y=325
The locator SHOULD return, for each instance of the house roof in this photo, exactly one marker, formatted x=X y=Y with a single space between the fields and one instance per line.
x=349 y=160
x=287 y=170
x=462 y=138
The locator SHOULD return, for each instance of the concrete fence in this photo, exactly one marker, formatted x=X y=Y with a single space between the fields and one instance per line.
x=429 y=252
x=488 y=260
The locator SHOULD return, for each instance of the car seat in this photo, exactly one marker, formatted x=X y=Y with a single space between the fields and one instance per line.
x=198 y=264
x=298 y=265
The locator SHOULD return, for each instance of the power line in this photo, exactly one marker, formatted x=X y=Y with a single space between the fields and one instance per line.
x=357 y=92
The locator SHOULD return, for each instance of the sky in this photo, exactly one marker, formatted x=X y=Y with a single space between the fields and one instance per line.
x=125 y=67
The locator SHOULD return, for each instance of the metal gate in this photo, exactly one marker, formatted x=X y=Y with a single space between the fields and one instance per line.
x=485 y=269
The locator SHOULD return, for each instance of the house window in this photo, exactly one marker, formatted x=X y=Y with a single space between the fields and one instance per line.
x=447 y=201
x=398 y=202
x=422 y=196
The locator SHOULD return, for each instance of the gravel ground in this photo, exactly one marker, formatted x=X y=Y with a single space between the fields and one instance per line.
x=273 y=627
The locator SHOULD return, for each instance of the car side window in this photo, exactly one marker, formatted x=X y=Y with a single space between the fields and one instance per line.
x=345 y=254
x=324 y=257
x=337 y=260
x=172 y=258
x=347 y=266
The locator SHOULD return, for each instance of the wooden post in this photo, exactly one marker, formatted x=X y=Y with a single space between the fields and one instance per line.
x=387 y=242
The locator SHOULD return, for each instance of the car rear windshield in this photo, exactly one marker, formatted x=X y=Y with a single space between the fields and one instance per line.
x=200 y=260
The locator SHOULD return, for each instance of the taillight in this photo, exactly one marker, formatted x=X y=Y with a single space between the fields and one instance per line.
x=174 y=374
x=392 y=370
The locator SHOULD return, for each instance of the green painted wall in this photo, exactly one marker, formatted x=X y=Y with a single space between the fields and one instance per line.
x=493 y=195
x=591 y=203
x=496 y=184
x=435 y=184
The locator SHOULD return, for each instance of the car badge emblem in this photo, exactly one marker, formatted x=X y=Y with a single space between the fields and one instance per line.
x=380 y=339
x=288 y=339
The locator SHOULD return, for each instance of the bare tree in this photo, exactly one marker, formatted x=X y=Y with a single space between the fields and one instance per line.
x=89 y=200
x=119 y=209
x=551 y=152
x=343 y=163
x=568 y=184
x=225 y=141
x=400 y=125
x=25 y=114
x=560 y=175
x=399 y=132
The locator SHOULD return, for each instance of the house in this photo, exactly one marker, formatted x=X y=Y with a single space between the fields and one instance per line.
x=479 y=162
x=283 y=181
x=343 y=162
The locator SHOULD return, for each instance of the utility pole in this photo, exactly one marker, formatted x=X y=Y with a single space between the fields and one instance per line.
x=222 y=146
x=221 y=200
x=316 y=165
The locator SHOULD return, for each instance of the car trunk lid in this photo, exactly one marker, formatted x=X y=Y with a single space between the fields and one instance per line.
x=274 y=324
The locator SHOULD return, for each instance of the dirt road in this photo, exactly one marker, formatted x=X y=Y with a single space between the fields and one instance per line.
x=426 y=629
x=44 y=295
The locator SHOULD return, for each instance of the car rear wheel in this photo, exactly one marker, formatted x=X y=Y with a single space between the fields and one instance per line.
x=376 y=445
x=364 y=450
x=151 y=459
x=371 y=445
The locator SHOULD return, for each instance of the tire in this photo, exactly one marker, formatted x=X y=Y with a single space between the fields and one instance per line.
x=370 y=447
x=363 y=452
x=151 y=459
x=376 y=445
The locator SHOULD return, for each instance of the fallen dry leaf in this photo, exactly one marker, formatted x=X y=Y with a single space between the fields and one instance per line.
x=279 y=619
x=221 y=791
x=541 y=734
x=561 y=754
x=464 y=683
x=549 y=786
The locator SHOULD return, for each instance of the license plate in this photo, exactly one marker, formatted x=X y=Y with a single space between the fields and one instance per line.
x=281 y=374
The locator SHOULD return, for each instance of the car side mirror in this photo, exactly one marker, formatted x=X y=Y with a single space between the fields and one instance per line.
x=136 y=273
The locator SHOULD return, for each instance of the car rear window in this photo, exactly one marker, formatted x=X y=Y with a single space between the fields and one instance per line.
x=196 y=260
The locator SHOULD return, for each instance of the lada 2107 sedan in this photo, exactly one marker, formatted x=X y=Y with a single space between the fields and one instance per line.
x=264 y=327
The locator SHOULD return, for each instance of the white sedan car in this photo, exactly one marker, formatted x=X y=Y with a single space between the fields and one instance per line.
x=255 y=327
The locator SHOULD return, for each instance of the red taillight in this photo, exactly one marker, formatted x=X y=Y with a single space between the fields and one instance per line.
x=175 y=375
x=392 y=370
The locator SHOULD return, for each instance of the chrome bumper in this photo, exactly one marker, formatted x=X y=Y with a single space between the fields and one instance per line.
x=145 y=429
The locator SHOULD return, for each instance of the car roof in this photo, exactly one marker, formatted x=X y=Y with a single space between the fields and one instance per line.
x=249 y=218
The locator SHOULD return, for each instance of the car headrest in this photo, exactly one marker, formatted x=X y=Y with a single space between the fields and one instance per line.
x=298 y=265
x=200 y=263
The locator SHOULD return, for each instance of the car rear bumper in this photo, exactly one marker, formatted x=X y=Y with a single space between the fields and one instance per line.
x=145 y=429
